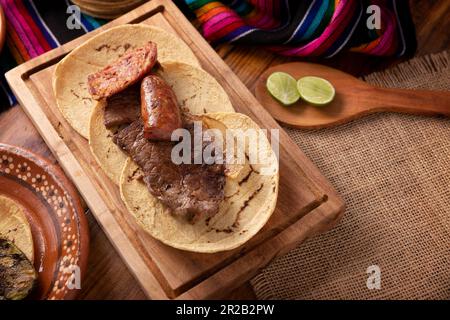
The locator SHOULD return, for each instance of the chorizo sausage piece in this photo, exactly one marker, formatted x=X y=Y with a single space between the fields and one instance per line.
x=123 y=73
x=159 y=109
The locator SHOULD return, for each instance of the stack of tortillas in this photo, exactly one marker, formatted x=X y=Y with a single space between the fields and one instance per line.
x=107 y=9
x=250 y=196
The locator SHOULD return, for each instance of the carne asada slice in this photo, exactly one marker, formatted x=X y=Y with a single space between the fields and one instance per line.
x=123 y=73
x=190 y=190
x=17 y=274
x=123 y=107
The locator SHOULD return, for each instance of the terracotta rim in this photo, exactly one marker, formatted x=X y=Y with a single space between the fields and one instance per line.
x=76 y=230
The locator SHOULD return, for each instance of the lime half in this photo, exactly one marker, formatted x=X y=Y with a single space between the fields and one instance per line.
x=315 y=90
x=283 y=87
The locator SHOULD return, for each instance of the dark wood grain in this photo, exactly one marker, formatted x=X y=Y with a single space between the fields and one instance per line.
x=107 y=276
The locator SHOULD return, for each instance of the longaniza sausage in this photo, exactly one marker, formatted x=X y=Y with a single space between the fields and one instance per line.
x=159 y=109
x=123 y=73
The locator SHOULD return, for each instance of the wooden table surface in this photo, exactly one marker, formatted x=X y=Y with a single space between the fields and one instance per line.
x=107 y=276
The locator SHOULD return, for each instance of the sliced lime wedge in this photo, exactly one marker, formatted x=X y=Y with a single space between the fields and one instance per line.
x=283 y=87
x=315 y=90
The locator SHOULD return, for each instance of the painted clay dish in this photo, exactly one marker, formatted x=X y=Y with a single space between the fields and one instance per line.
x=58 y=223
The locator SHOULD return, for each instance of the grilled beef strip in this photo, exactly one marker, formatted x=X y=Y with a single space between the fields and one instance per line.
x=123 y=108
x=190 y=190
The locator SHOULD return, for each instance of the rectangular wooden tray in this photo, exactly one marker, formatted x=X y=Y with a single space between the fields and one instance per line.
x=307 y=204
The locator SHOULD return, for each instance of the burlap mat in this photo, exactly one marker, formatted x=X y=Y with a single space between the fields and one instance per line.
x=393 y=172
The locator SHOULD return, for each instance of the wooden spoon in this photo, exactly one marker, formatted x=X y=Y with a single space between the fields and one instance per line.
x=354 y=98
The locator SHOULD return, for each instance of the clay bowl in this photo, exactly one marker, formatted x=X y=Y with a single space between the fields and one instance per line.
x=2 y=28
x=107 y=9
x=57 y=219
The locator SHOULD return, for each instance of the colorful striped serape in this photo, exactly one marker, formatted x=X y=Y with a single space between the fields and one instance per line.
x=308 y=27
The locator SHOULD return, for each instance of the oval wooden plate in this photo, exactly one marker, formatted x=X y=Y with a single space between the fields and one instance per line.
x=354 y=98
x=58 y=223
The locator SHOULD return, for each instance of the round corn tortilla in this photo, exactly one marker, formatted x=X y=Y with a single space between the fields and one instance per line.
x=14 y=226
x=70 y=75
x=197 y=92
x=249 y=201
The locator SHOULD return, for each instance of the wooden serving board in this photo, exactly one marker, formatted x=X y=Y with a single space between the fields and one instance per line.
x=306 y=205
